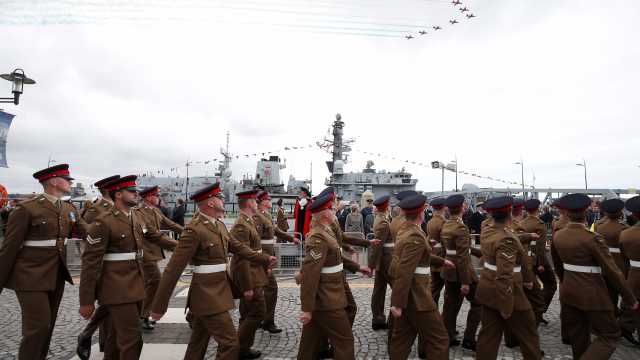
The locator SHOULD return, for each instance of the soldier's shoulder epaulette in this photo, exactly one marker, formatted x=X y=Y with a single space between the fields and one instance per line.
x=28 y=202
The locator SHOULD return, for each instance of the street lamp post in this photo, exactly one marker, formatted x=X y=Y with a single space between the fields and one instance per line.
x=455 y=163
x=441 y=166
x=18 y=79
x=521 y=163
x=50 y=161
x=584 y=165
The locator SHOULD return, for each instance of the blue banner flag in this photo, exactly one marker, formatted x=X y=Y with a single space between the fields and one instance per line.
x=5 y=123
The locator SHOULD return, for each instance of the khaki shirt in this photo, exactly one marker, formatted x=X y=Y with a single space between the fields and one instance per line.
x=247 y=275
x=113 y=282
x=281 y=220
x=576 y=245
x=533 y=224
x=610 y=229
x=154 y=242
x=267 y=231
x=204 y=241
x=630 y=244
x=502 y=289
x=412 y=251
x=28 y=268
x=455 y=237
x=322 y=291
x=381 y=231
x=434 y=230
x=96 y=209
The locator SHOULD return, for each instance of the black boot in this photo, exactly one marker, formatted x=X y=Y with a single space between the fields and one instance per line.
x=326 y=353
x=469 y=344
x=271 y=328
x=84 y=347
x=147 y=325
x=250 y=354
x=454 y=342
x=379 y=326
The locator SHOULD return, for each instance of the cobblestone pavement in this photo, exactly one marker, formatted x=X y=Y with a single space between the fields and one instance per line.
x=169 y=339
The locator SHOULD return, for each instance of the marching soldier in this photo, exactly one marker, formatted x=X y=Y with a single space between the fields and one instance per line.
x=412 y=304
x=92 y=212
x=434 y=228
x=380 y=260
x=556 y=225
x=153 y=251
x=610 y=228
x=500 y=291
x=205 y=243
x=249 y=277
x=583 y=262
x=541 y=266
x=112 y=261
x=535 y=253
x=33 y=258
x=630 y=245
x=268 y=231
x=462 y=280
x=322 y=294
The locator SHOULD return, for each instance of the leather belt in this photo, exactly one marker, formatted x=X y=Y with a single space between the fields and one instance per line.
x=331 y=269
x=516 y=269
x=268 y=242
x=120 y=256
x=42 y=243
x=614 y=250
x=583 y=269
x=388 y=245
x=208 y=269
x=451 y=252
x=422 y=270
x=532 y=243
x=635 y=264
x=529 y=253
x=437 y=245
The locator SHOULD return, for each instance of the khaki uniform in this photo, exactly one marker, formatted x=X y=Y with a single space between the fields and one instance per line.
x=501 y=291
x=610 y=230
x=547 y=277
x=103 y=278
x=205 y=242
x=37 y=273
x=93 y=211
x=558 y=224
x=412 y=293
x=457 y=242
x=535 y=255
x=322 y=293
x=380 y=260
x=267 y=232
x=583 y=262
x=630 y=245
x=434 y=228
x=349 y=265
x=281 y=220
x=249 y=276
x=153 y=250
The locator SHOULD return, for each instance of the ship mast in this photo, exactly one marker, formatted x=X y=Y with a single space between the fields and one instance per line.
x=338 y=147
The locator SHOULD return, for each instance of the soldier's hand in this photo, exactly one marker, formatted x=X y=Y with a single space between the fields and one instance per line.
x=295 y=240
x=156 y=316
x=528 y=285
x=534 y=235
x=505 y=316
x=464 y=289
x=248 y=295
x=366 y=271
x=449 y=264
x=375 y=241
x=298 y=277
x=273 y=261
x=305 y=318
x=396 y=312
x=541 y=268
x=86 y=311
x=635 y=306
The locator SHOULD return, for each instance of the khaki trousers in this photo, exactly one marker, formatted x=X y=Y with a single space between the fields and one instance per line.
x=437 y=284
x=522 y=325
x=271 y=299
x=220 y=326
x=39 y=313
x=251 y=314
x=428 y=326
x=124 y=338
x=581 y=324
x=379 y=293
x=151 y=282
x=334 y=325
x=453 y=302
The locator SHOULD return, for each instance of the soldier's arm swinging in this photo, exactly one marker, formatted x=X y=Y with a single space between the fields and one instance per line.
x=15 y=233
x=96 y=247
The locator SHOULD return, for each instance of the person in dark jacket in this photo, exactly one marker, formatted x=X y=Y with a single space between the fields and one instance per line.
x=178 y=213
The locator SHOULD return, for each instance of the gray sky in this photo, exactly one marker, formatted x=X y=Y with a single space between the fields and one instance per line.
x=146 y=85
